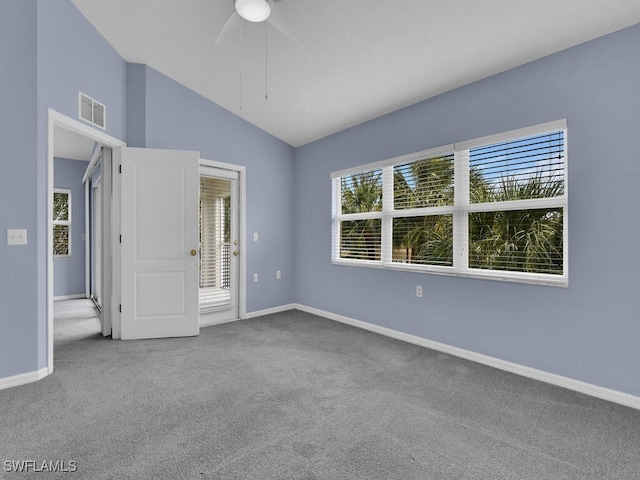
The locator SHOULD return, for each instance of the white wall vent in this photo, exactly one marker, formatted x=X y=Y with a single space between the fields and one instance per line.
x=91 y=111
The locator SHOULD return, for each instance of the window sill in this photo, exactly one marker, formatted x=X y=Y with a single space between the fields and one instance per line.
x=502 y=276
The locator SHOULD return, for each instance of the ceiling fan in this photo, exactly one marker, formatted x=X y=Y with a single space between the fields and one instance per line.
x=257 y=11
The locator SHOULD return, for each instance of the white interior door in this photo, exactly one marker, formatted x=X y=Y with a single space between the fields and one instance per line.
x=159 y=244
x=219 y=245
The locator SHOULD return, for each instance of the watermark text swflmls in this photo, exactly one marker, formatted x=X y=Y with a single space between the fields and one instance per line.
x=24 y=466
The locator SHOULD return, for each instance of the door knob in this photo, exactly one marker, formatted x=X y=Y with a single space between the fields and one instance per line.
x=194 y=253
x=236 y=253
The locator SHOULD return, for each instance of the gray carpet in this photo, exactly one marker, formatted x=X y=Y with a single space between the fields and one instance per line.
x=74 y=320
x=294 y=396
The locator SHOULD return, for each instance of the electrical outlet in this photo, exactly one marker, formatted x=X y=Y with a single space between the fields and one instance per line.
x=278 y=274
x=255 y=277
x=419 y=291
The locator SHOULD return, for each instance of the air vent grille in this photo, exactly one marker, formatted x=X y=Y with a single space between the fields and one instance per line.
x=91 y=111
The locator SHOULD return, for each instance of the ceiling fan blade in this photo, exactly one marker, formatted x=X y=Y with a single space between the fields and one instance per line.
x=277 y=19
x=230 y=26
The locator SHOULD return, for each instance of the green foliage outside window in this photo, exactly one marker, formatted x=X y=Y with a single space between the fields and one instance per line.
x=513 y=240
x=61 y=223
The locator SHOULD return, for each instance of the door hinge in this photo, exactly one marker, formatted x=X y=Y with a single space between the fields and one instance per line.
x=120 y=309
x=120 y=238
x=119 y=168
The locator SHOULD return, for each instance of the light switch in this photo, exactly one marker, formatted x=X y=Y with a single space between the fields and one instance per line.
x=255 y=237
x=16 y=236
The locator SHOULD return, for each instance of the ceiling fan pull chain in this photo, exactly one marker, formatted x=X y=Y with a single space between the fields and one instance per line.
x=266 y=61
x=241 y=67
x=240 y=102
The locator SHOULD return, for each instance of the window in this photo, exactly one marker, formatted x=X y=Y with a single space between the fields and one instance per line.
x=61 y=222
x=493 y=208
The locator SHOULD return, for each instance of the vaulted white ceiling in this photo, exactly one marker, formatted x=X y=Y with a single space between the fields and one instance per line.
x=364 y=58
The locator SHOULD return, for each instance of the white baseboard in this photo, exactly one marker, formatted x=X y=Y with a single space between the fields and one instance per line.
x=69 y=297
x=23 y=378
x=558 y=380
x=269 y=311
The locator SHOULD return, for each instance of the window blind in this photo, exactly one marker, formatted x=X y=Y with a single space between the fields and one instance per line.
x=214 y=241
x=361 y=239
x=520 y=169
x=423 y=240
x=362 y=192
x=424 y=183
x=493 y=207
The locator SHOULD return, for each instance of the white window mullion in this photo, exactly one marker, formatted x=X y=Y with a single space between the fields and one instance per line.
x=387 y=208
x=335 y=210
x=461 y=216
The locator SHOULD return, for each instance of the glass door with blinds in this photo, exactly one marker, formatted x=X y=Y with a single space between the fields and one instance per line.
x=219 y=249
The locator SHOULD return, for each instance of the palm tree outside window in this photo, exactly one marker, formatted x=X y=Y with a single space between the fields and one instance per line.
x=492 y=207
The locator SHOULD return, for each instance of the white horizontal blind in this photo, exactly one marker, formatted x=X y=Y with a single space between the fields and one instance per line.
x=423 y=240
x=361 y=239
x=516 y=239
x=424 y=183
x=520 y=169
x=214 y=242
x=492 y=207
x=361 y=193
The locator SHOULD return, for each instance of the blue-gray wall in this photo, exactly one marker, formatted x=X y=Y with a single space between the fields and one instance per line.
x=69 y=272
x=168 y=115
x=18 y=187
x=72 y=56
x=48 y=52
x=588 y=331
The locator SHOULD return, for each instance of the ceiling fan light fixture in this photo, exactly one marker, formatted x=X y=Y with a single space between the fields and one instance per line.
x=253 y=10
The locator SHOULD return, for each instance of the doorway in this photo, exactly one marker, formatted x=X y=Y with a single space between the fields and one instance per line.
x=104 y=282
x=63 y=130
x=180 y=259
x=219 y=245
x=72 y=153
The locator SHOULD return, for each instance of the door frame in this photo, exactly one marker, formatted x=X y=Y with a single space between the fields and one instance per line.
x=95 y=239
x=88 y=213
x=233 y=176
x=242 y=228
x=115 y=266
x=57 y=119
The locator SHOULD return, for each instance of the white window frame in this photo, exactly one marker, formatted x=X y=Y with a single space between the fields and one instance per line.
x=66 y=223
x=460 y=211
